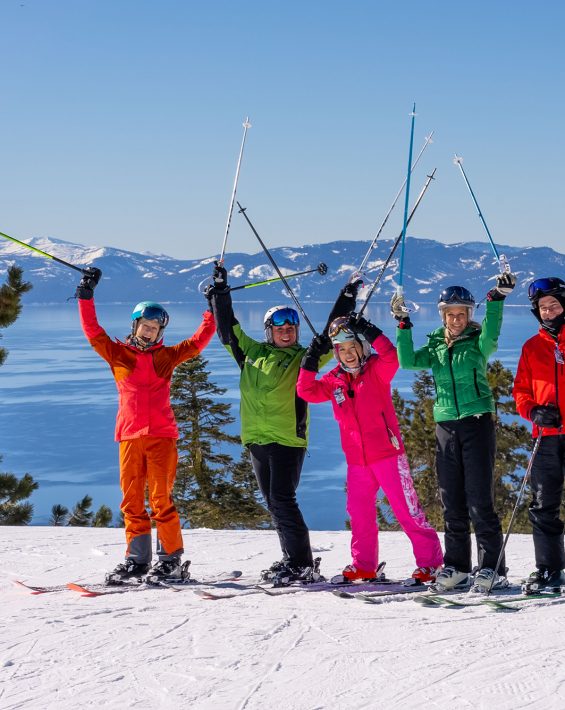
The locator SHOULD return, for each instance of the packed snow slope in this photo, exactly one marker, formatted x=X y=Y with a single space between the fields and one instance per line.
x=158 y=648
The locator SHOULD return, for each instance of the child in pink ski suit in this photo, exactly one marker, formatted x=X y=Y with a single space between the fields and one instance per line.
x=359 y=390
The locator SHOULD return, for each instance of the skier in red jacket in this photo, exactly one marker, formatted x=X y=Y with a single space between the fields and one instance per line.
x=145 y=428
x=539 y=391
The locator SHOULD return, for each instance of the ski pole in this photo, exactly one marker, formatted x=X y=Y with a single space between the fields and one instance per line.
x=518 y=500
x=385 y=220
x=395 y=245
x=400 y=287
x=502 y=261
x=321 y=269
x=276 y=268
x=246 y=125
x=43 y=253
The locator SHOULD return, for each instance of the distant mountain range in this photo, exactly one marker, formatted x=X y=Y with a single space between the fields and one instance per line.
x=429 y=266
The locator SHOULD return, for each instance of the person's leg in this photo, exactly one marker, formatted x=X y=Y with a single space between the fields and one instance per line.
x=362 y=488
x=394 y=476
x=548 y=470
x=260 y=455
x=478 y=450
x=133 y=477
x=161 y=472
x=451 y=481
x=285 y=464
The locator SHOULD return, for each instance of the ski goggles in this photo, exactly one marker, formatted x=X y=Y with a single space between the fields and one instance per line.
x=285 y=316
x=545 y=287
x=456 y=294
x=337 y=326
x=153 y=313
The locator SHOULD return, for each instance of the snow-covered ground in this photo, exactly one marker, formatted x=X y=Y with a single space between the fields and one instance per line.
x=162 y=649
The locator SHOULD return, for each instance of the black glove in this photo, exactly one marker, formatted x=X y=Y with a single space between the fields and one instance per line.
x=546 y=415
x=91 y=277
x=209 y=293
x=405 y=323
x=320 y=345
x=220 y=276
x=504 y=285
x=352 y=288
x=362 y=326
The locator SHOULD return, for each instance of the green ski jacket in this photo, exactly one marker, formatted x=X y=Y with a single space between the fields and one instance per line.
x=460 y=372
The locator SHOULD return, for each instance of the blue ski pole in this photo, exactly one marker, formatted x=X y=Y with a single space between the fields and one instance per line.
x=400 y=287
x=502 y=261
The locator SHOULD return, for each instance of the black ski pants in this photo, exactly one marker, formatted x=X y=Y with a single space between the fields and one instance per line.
x=278 y=469
x=465 y=451
x=548 y=472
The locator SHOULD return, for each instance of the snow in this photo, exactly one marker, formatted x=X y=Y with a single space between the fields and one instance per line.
x=156 y=648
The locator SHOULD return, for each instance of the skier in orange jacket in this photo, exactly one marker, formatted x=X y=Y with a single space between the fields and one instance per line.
x=145 y=428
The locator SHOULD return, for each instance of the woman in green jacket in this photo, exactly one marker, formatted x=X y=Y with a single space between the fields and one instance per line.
x=457 y=354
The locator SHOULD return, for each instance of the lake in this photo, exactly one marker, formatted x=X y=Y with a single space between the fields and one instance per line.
x=59 y=401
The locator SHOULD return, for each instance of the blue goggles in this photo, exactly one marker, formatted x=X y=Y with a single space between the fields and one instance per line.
x=455 y=294
x=286 y=316
x=545 y=287
x=158 y=314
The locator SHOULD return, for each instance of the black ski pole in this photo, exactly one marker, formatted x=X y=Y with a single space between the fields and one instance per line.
x=43 y=253
x=276 y=268
x=320 y=269
x=395 y=245
x=518 y=501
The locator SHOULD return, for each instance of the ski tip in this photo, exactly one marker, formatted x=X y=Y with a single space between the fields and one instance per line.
x=29 y=588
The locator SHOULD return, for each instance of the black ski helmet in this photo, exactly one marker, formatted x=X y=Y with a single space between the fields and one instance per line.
x=456 y=296
x=549 y=286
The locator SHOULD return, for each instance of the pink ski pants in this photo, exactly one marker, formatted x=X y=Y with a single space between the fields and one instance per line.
x=393 y=476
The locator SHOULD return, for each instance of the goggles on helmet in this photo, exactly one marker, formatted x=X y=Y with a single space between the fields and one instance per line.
x=456 y=295
x=284 y=316
x=339 y=326
x=545 y=287
x=151 y=311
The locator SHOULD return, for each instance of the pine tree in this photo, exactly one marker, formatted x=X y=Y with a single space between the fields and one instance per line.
x=10 y=301
x=59 y=515
x=210 y=490
x=81 y=515
x=103 y=517
x=13 y=491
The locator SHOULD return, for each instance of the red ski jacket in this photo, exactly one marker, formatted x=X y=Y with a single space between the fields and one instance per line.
x=540 y=378
x=362 y=405
x=143 y=377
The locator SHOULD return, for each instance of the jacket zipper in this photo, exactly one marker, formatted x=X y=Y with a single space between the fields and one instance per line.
x=453 y=381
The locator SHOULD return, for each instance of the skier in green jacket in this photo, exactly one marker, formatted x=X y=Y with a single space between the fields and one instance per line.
x=457 y=354
x=274 y=419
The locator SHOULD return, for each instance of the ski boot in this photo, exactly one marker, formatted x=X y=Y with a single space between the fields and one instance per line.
x=352 y=574
x=268 y=574
x=168 y=571
x=125 y=571
x=421 y=576
x=545 y=579
x=487 y=579
x=304 y=575
x=451 y=579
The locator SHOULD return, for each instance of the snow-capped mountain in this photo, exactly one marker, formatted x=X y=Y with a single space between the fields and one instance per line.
x=129 y=276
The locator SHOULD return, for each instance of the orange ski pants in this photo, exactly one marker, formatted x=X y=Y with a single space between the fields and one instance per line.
x=149 y=462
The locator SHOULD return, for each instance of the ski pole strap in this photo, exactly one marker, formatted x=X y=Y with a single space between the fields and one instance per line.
x=42 y=253
x=276 y=268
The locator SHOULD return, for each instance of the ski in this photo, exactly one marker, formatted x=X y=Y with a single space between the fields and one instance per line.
x=502 y=601
x=37 y=590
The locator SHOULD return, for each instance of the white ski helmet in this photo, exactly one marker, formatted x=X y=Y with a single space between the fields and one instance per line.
x=339 y=332
x=280 y=315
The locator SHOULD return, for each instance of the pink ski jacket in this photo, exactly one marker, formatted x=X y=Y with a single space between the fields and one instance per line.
x=362 y=405
x=143 y=378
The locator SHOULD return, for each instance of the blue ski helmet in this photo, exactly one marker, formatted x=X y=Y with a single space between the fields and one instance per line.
x=150 y=311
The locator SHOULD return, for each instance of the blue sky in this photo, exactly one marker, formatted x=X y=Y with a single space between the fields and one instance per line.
x=120 y=120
